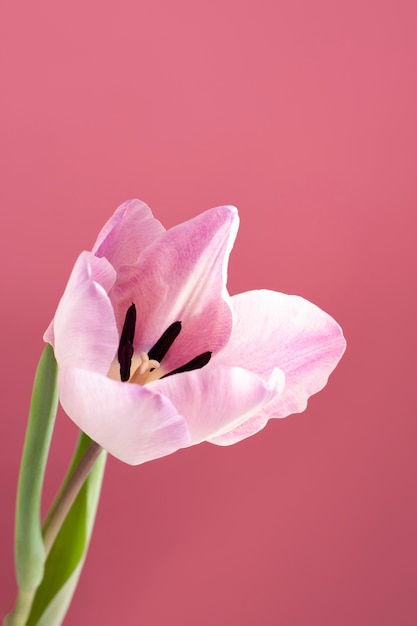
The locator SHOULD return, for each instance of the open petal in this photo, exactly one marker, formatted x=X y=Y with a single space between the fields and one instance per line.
x=90 y=268
x=252 y=426
x=129 y=421
x=127 y=233
x=276 y=330
x=84 y=327
x=215 y=400
x=181 y=276
x=255 y=423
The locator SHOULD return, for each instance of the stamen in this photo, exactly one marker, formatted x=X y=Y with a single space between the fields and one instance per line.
x=195 y=364
x=147 y=366
x=159 y=350
x=125 y=351
x=125 y=360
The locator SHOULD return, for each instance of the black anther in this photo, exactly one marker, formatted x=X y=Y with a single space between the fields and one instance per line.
x=125 y=351
x=159 y=350
x=197 y=363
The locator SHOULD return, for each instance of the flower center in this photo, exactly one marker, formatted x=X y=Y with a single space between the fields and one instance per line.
x=146 y=366
x=146 y=369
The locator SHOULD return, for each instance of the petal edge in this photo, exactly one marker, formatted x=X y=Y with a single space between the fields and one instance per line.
x=131 y=422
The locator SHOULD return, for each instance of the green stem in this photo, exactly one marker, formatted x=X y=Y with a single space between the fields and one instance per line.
x=53 y=523
x=66 y=557
x=66 y=496
x=22 y=609
x=29 y=548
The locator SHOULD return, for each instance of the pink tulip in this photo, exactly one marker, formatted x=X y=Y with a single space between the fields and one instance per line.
x=153 y=353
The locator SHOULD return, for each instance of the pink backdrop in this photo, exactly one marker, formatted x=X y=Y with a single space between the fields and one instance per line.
x=303 y=114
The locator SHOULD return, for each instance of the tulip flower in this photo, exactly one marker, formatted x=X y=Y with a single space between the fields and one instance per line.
x=151 y=354
x=154 y=354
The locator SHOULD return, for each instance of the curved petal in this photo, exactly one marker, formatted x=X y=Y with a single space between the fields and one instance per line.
x=131 y=422
x=182 y=277
x=49 y=334
x=254 y=424
x=275 y=330
x=84 y=326
x=215 y=400
x=127 y=233
x=98 y=270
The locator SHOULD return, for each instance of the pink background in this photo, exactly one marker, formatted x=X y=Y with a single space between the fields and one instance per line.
x=303 y=114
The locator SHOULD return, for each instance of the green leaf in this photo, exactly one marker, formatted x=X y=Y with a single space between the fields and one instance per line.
x=29 y=549
x=66 y=558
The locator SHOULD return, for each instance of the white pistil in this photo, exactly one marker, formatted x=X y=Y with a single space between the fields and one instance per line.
x=142 y=372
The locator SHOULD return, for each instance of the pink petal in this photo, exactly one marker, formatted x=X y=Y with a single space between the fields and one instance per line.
x=85 y=333
x=134 y=424
x=252 y=426
x=181 y=276
x=98 y=270
x=214 y=400
x=127 y=233
x=275 y=330
x=49 y=334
